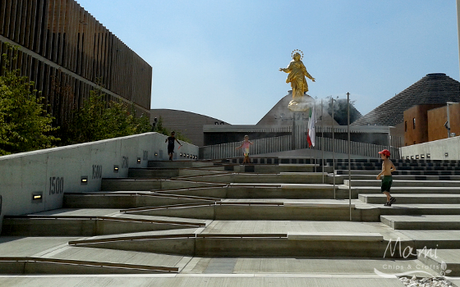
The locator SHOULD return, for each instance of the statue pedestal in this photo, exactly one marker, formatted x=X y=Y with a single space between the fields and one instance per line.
x=301 y=104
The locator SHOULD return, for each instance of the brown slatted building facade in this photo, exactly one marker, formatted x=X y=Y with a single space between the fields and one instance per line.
x=67 y=53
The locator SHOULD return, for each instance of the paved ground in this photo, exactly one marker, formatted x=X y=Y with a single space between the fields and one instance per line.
x=197 y=271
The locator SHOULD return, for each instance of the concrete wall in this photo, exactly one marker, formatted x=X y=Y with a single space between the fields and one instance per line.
x=444 y=149
x=51 y=172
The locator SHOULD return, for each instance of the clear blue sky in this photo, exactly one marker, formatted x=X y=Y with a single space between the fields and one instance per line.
x=222 y=58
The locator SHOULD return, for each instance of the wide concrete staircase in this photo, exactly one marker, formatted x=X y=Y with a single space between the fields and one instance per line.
x=173 y=216
x=426 y=210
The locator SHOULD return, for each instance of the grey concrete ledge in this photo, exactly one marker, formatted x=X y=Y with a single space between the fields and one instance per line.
x=335 y=236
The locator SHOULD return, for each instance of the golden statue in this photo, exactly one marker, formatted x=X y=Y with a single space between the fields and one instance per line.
x=297 y=73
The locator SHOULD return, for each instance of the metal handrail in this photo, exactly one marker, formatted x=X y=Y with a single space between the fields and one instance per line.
x=103 y=218
x=89 y=263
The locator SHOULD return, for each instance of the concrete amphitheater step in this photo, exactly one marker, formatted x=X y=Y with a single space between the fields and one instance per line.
x=443 y=261
x=180 y=164
x=129 y=199
x=198 y=194
x=39 y=255
x=65 y=222
x=247 y=209
x=400 y=189
x=243 y=190
x=279 y=168
x=306 y=245
x=146 y=184
x=422 y=222
x=372 y=176
x=282 y=177
x=401 y=183
x=433 y=198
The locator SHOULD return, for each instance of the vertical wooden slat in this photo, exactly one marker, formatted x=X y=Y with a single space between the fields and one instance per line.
x=56 y=30
x=50 y=30
x=37 y=26
x=91 y=48
x=60 y=32
x=20 y=19
x=43 y=40
x=11 y=18
x=67 y=35
x=89 y=42
x=82 y=26
x=25 y=25
x=105 y=53
x=3 y=16
x=29 y=29
x=72 y=36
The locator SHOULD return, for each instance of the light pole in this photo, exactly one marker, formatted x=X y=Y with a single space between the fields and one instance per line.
x=322 y=140
x=447 y=124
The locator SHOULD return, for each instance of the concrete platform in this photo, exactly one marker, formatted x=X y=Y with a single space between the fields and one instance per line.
x=428 y=198
x=422 y=222
x=401 y=183
x=260 y=238
x=157 y=172
x=400 y=189
x=248 y=280
x=132 y=199
x=79 y=222
x=256 y=209
x=443 y=260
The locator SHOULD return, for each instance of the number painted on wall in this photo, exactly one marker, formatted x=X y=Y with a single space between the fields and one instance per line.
x=56 y=185
x=97 y=171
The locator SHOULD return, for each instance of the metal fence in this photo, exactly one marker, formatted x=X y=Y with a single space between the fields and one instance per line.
x=260 y=146
x=356 y=148
x=285 y=143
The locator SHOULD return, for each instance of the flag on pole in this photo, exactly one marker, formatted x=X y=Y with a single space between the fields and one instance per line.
x=311 y=135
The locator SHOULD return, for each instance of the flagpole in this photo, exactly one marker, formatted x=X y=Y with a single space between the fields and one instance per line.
x=349 y=164
x=322 y=140
x=333 y=148
x=313 y=131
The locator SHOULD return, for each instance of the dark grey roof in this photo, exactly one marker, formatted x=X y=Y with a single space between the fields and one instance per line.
x=279 y=114
x=431 y=89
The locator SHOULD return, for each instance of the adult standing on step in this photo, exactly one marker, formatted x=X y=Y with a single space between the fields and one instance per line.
x=170 y=140
x=387 y=168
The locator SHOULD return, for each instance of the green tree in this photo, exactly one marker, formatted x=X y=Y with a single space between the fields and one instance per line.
x=24 y=123
x=98 y=120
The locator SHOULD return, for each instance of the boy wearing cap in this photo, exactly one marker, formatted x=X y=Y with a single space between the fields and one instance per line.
x=387 y=168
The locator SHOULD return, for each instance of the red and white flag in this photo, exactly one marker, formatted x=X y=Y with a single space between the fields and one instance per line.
x=311 y=136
